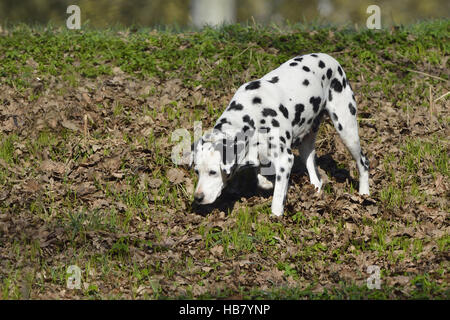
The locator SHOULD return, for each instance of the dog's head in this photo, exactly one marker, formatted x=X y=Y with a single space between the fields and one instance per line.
x=214 y=161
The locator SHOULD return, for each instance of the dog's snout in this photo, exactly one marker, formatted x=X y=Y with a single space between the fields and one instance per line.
x=198 y=197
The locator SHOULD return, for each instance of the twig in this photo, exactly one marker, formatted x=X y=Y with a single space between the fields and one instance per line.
x=426 y=74
x=431 y=103
x=407 y=114
x=86 y=132
x=443 y=96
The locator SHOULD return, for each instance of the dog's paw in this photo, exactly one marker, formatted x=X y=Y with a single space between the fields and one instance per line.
x=276 y=215
x=264 y=183
x=364 y=191
x=277 y=210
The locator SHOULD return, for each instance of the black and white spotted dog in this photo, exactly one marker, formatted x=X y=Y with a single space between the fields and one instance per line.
x=268 y=116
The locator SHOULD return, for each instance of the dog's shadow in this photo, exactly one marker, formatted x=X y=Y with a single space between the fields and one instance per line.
x=244 y=184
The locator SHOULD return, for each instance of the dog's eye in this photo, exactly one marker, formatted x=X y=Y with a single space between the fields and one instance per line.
x=212 y=173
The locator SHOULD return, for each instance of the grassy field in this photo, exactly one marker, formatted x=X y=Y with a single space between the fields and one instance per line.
x=86 y=176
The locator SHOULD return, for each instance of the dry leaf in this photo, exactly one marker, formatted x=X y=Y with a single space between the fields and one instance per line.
x=175 y=175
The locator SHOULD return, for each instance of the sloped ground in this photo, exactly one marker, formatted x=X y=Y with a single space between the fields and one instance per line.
x=86 y=176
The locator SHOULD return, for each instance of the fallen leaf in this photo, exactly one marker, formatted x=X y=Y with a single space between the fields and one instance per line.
x=31 y=186
x=53 y=167
x=217 y=250
x=70 y=125
x=175 y=175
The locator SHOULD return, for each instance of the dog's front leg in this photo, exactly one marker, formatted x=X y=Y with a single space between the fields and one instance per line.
x=283 y=167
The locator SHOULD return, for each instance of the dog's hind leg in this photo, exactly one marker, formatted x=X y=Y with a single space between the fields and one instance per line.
x=341 y=107
x=282 y=172
x=308 y=155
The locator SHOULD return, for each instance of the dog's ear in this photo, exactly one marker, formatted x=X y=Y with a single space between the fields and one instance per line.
x=190 y=155
x=233 y=152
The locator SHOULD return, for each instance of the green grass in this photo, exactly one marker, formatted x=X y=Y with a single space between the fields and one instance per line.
x=417 y=152
x=220 y=54
x=131 y=244
x=7 y=147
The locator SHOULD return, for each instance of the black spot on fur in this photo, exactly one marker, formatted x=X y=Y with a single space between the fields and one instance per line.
x=316 y=103
x=315 y=126
x=263 y=121
x=330 y=96
x=321 y=64
x=275 y=123
x=235 y=106
x=248 y=120
x=299 y=108
x=314 y=55
x=269 y=112
x=299 y=59
x=274 y=80
x=293 y=64
x=340 y=70
x=253 y=85
x=364 y=162
x=340 y=127
x=352 y=108
x=323 y=77
x=282 y=139
x=317 y=120
x=336 y=85
x=335 y=117
x=284 y=111
x=329 y=73
x=306 y=68
x=306 y=82
x=278 y=177
x=222 y=122
x=310 y=120
x=288 y=135
x=257 y=100
x=264 y=130
x=282 y=169
x=289 y=151
x=344 y=82
x=245 y=128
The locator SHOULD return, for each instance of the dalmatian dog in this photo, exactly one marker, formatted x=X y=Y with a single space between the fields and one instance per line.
x=267 y=117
